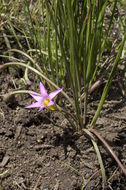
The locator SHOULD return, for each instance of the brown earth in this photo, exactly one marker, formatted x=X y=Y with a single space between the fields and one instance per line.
x=37 y=151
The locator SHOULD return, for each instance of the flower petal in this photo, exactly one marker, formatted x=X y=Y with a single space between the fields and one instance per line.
x=34 y=105
x=37 y=97
x=41 y=108
x=43 y=90
x=54 y=93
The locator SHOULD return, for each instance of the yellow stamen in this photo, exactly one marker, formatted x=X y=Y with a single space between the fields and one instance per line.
x=46 y=102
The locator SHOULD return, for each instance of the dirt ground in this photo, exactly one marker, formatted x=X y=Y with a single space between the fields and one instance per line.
x=49 y=155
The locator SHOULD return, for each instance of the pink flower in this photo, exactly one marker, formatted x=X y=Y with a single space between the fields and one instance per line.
x=44 y=100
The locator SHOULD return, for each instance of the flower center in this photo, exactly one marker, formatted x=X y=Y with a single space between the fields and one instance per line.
x=46 y=102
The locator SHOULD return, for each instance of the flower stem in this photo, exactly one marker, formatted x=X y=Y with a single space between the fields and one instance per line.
x=109 y=149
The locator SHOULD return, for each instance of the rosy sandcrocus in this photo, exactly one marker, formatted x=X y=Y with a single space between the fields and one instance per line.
x=44 y=100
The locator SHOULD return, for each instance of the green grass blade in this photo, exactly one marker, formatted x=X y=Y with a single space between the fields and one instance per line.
x=106 y=88
x=39 y=74
x=98 y=155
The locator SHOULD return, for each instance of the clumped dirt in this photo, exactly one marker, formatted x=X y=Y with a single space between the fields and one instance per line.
x=49 y=155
